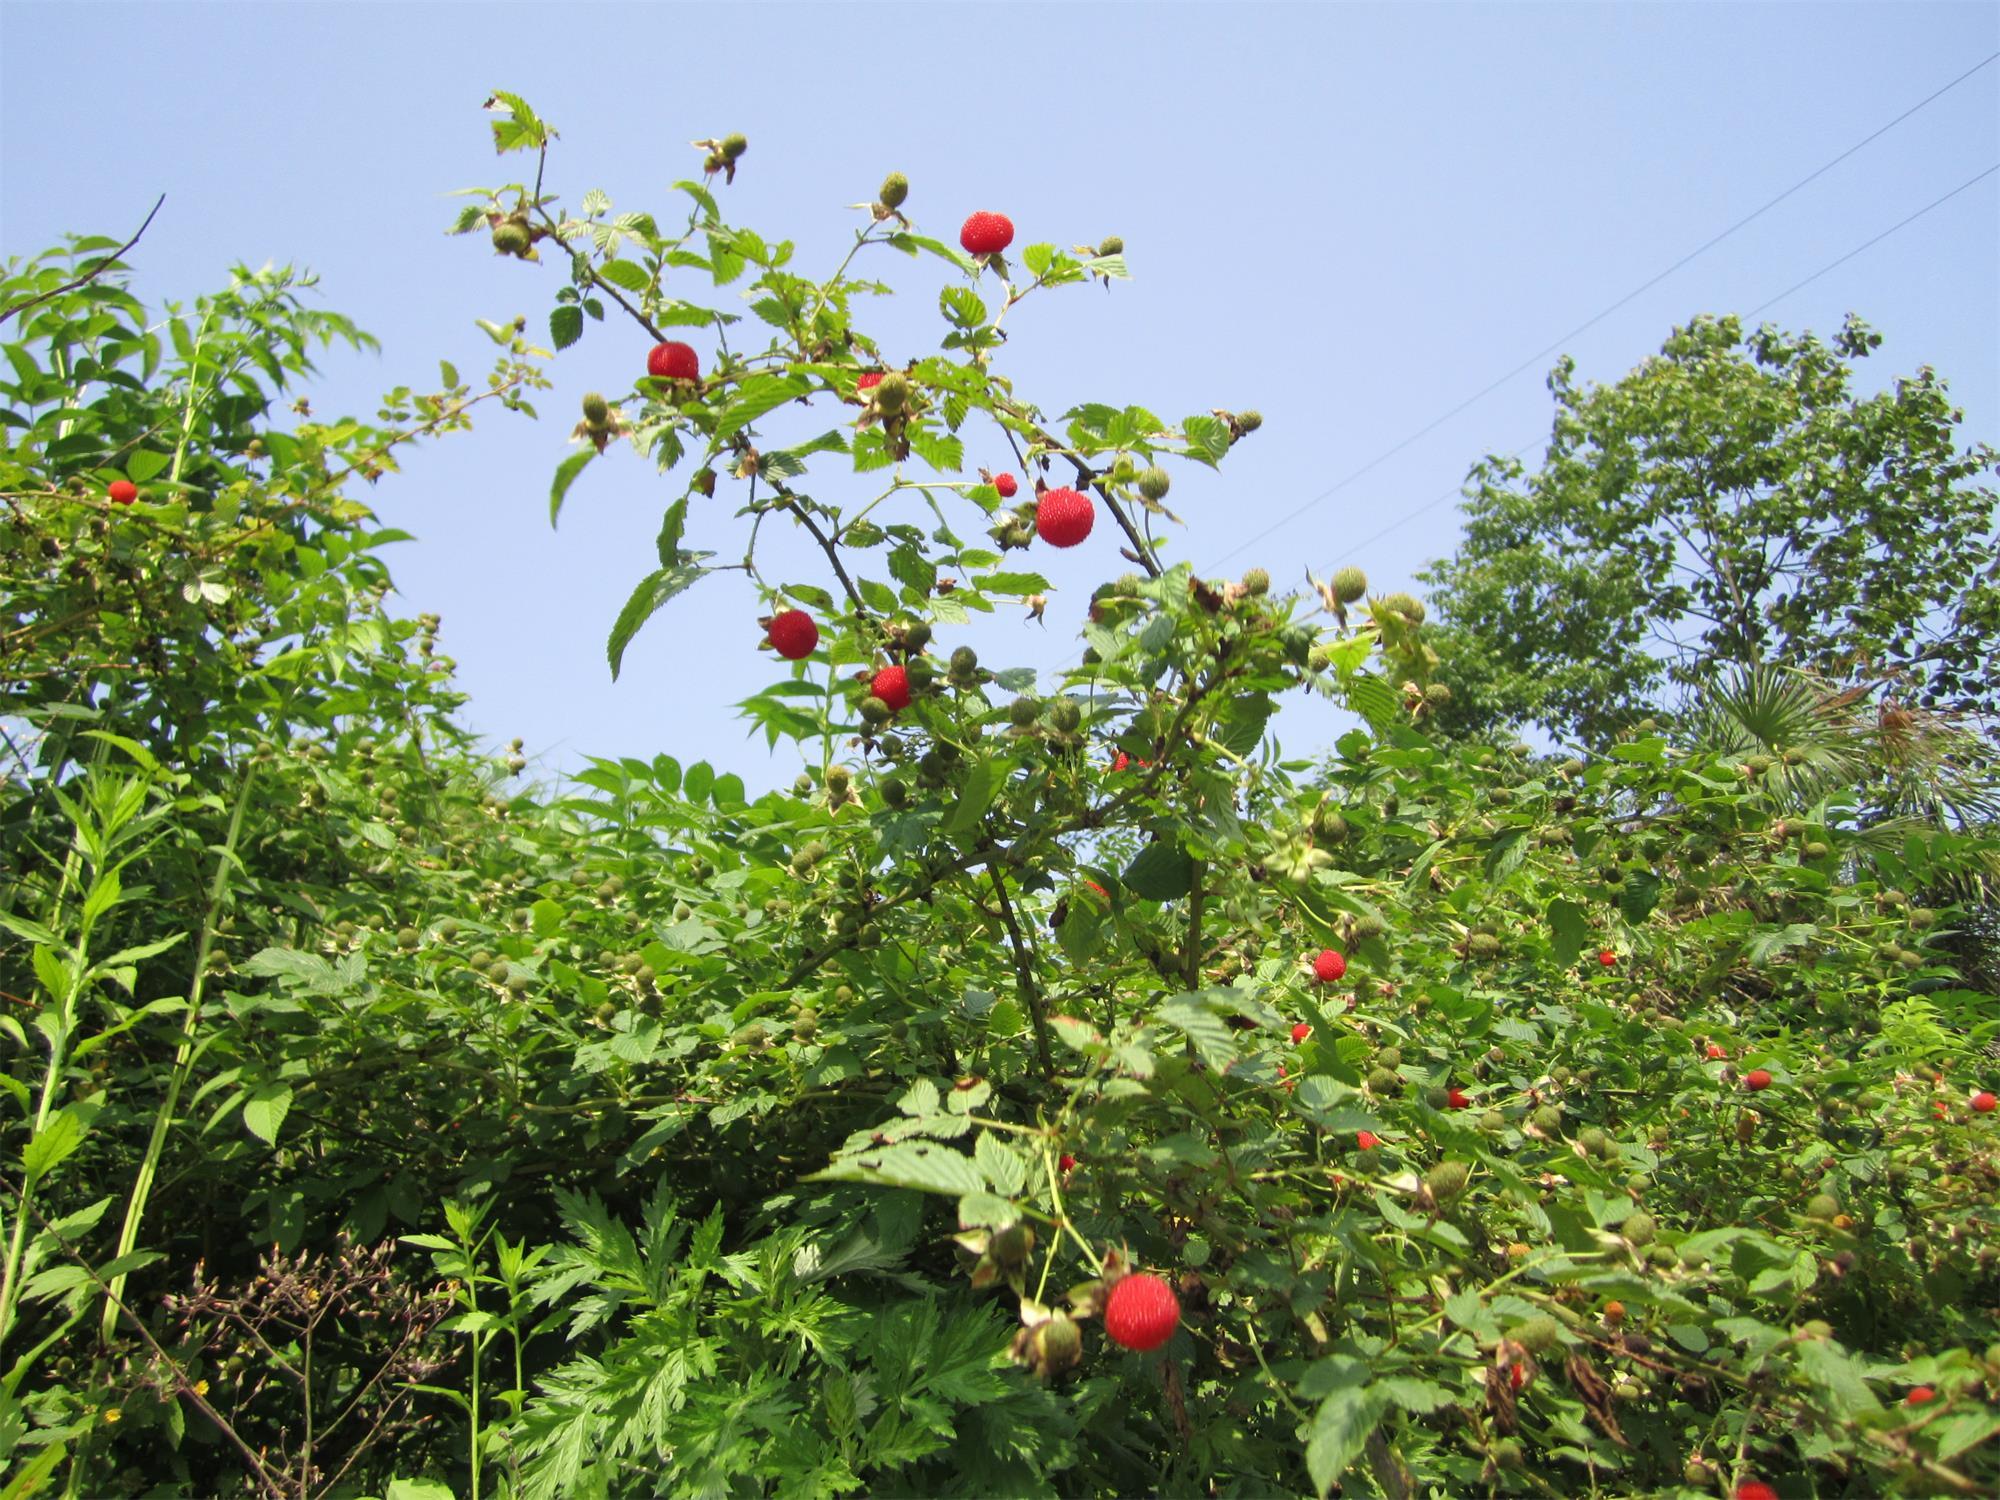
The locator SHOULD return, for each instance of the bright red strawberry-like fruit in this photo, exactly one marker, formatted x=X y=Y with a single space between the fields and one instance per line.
x=1066 y=1162
x=1920 y=1395
x=1983 y=1102
x=121 y=492
x=1755 y=1489
x=869 y=381
x=1756 y=1080
x=1141 y=1313
x=986 y=233
x=1300 y=1032
x=793 y=634
x=1064 y=517
x=1366 y=1140
x=892 y=686
x=1716 y=1051
x=1607 y=958
x=673 y=361
x=1007 y=485
x=1329 y=966
x=1456 y=1098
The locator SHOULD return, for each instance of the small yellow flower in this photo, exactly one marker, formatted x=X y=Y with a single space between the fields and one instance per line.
x=112 y=1414
x=201 y=1387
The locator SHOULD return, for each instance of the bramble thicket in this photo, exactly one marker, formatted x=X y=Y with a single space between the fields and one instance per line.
x=1059 y=1090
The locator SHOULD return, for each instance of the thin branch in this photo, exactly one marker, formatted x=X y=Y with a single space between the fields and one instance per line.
x=1024 y=972
x=103 y=265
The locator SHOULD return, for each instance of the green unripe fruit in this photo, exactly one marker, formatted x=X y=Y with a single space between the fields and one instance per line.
x=752 y=1035
x=843 y=995
x=1155 y=482
x=895 y=188
x=964 y=662
x=1921 y=918
x=734 y=146
x=1249 y=421
x=1111 y=245
x=1066 y=714
x=1123 y=469
x=1058 y=1346
x=1538 y=1335
x=893 y=394
x=1407 y=605
x=1447 y=1180
x=1011 y=1246
x=448 y=928
x=1349 y=584
x=806 y=1025
x=802 y=785
x=1389 y=1057
x=498 y=970
x=1816 y=850
x=1482 y=945
x=1640 y=1229
x=607 y=1013
x=1493 y=1120
x=1382 y=1081
x=610 y=889
x=895 y=793
x=1256 y=582
x=1663 y=1256
x=916 y=635
x=1437 y=695
x=1594 y=1141
x=1023 y=711
x=875 y=711
x=408 y=937
x=1909 y=958
x=1822 y=1206
x=517 y=984
x=512 y=238
x=1437 y=1097
x=596 y=410
x=838 y=778
x=1560 y=1074
x=1329 y=826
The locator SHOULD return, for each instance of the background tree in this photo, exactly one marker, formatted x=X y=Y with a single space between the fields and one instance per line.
x=1732 y=501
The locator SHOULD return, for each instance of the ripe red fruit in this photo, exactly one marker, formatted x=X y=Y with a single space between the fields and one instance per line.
x=121 y=492
x=1755 y=1489
x=1756 y=1079
x=1064 y=517
x=1120 y=763
x=1983 y=1102
x=672 y=361
x=1141 y=1312
x=1007 y=485
x=1300 y=1032
x=869 y=381
x=1920 y=1395
x=892 y=686
x=1329 y=966
x=1099 y=889
x=986 y=233
x=1366 y=1140
x=1517 y=1376
x=1607 y=957
x=793 y=634
x=1455 y=1097
x=1066 y=1162
x=1716 y=1051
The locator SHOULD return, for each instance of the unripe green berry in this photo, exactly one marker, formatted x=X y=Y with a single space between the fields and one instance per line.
x=875 y=711
x=512 y=238
x=895 y=188
x=1155 y=482
x=1389 y=1057
x=893 y=394
x=1256 y=582
x=1023 y=711
x=1111 y=245
x=1382 y=1081
x=596 y=410
x=1538 y=1335
x=1822 y=1206
x=1447 y=1180
x=1639 y=1228
x=964 y=662
x=895 y=793
x=1066 y=714
x=1349 y=584
x=733 y=146
x=1249 y=421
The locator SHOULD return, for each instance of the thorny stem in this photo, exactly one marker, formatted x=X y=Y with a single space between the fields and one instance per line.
x=1024 y=971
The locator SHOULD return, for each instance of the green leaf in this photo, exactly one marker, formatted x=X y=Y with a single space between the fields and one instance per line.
x=1569 y=928
x=1162 y=872
x=1345 y=1419
x=265 y=1110
x=566 y=325
x=653 y=591
x=60 y=1137
x=924 y=1165
x=1004 y=1167
x=625 y=275
x=566 y=473
x=981 y=783
x=1640 y=895
x=144 y=463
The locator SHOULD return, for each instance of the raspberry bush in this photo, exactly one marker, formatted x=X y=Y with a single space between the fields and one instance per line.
x=1056 y=1090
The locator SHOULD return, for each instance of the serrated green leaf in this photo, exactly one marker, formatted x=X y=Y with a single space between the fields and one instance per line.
x=566 y=473
x=653 y=591
x=566 y=325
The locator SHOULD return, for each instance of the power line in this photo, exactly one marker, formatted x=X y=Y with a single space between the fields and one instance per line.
x=1454 y=492
x=1540 y=354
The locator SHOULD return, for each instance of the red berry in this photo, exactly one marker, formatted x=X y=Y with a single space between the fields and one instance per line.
x=1717 y=1051
x=793 y=634
x=1120 y=763
x=1099 y=889
x=121 y=492
x=1983 y=1102
x=1064 y=517
x=1755 y=1489
x=1607 y=957
x=1141 y=1312
x=1756 y=1080
x=1920 y=1395
x=1366 y=1140
x=1455 y=1097
x=986 y=233
x=1300 y=1032
x=671 y=361
x=869 y=381
x=1517 y=1376
x=1066 y=1162
x=1329 y=966
x=892 y=686
x=1007 y=485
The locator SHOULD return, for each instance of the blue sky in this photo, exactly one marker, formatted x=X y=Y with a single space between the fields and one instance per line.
x=1348 y=217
